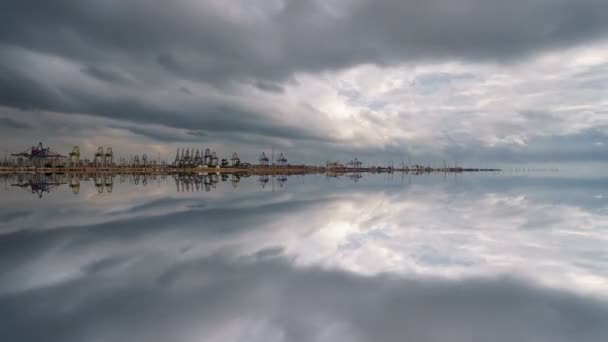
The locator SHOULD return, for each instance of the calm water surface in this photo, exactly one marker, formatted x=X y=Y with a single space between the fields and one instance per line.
x=471 y=257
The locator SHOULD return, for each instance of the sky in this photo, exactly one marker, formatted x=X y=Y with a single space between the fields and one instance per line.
x=470 y=81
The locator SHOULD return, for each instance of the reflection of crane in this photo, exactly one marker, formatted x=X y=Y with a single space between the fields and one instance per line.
x=191 y=183
x=282 y=179
x=263 y=180
x=207 y=182
x=100 y=182
x=214 y=179
x=74 y=183
x=355 y=176
x=109 y=182
x=177 y=183
x=38 y=184
x=235 y=179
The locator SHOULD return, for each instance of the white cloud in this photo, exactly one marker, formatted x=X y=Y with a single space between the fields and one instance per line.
x=488 y=104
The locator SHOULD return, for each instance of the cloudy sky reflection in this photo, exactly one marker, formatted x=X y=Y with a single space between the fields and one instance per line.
x=467 y=258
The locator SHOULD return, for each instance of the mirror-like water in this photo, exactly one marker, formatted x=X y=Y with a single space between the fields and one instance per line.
x=467 y=257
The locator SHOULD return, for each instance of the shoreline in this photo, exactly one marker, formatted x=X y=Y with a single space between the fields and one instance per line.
x=256 y=170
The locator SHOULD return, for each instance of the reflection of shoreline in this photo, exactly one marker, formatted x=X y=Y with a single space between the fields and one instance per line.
x=40 y=183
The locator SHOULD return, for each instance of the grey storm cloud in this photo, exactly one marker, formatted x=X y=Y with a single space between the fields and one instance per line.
x=106 y=74
x=19 y=90
x=274 y=39
x=14 y=124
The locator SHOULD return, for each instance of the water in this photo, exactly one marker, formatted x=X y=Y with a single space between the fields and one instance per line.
x=467 y=257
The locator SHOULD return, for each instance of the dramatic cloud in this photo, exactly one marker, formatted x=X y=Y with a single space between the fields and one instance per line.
x=466 y=79
x=212 y=39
